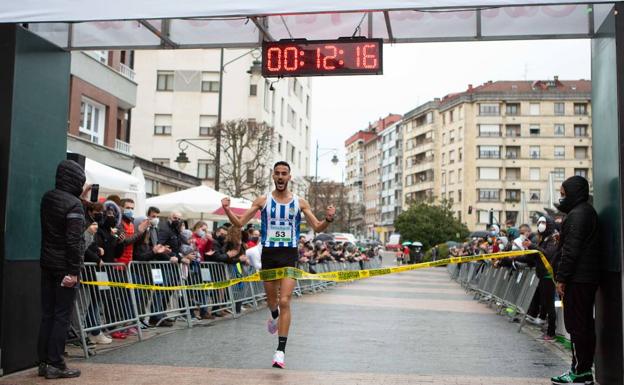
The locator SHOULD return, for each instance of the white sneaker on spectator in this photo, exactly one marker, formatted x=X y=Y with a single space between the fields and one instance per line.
x=101 y=339
x=535 y=320
x=272 y=325
x=278 y=360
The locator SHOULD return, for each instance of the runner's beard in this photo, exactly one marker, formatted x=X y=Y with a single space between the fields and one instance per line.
x=283 y=184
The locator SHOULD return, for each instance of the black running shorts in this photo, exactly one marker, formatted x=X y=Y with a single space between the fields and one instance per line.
x=276 y=257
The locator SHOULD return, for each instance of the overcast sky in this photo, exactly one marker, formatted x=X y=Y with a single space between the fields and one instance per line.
x=416 y=73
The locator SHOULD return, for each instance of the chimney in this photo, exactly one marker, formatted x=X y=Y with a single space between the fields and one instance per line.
x=469 y=87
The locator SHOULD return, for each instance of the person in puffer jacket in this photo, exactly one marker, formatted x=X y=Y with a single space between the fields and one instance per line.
x=578 y=275
x=62 y=250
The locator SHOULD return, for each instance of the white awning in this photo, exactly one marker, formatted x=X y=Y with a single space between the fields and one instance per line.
x=111 y=180
x=95 y=24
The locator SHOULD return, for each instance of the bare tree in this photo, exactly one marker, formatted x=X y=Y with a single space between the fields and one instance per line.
x=322 y=193
x=246 y=149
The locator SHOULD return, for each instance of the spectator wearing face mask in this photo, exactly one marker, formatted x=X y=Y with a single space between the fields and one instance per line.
x=578 y=275
x=254 y=238
x=169 y=234
x=128 y=234
x=219 y=238
x=107 y=236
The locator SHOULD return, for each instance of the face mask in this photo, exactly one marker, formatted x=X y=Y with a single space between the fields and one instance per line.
x=220 y=238
x=128 y=213
x=493 y=233
x=254 y=239
x=201 y=233
x=541 y=227
x=98 y=217
x=175 y=224
x=563 y=205
x=111 y=221
x=154 y=222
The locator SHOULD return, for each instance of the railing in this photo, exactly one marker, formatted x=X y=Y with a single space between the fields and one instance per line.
x=126 y=71
x=106 y=308
x=124 y=147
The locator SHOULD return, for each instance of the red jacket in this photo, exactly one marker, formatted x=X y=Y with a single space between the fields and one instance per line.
x=126 y=255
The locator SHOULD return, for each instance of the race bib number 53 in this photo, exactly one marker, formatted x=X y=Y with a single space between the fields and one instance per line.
x=279 y=233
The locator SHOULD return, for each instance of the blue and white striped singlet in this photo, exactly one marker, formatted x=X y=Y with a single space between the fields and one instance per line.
x=280 y=223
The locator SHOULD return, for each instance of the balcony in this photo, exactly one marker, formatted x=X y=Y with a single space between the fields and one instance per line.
x=126 y=71
x=123 y=147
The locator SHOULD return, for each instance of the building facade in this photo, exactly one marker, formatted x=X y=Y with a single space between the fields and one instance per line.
x=391 y=176
x=103 y=94
x=178 y=98
x=371 y=186
x=504 y=147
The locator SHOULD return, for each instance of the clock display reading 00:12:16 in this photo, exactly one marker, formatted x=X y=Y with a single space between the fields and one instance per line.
x=322 y=57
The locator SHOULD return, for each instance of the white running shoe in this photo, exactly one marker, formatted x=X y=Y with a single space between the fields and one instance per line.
x=278 y=360
x=101 y=339
x=535 y=320
x=272 y=325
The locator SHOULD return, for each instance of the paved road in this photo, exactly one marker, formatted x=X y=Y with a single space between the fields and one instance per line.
x=413 y=328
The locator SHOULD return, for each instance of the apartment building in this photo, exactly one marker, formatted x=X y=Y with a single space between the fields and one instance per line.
x=503 y=146
x=178 y=98
x=391 y=177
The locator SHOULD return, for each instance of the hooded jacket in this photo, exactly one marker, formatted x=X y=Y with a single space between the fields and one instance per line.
x=580 y=256
x=547 y=245
x=62 y=221
x=104 y=237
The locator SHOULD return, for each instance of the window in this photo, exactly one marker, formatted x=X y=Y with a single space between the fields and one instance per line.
x=559 y=108
x=451 y=177
x=512 y=173
x=559 y=174
x=581 y=172
x=580 y=108
x=162 y=124
x=534 y=130
x=429 y=117
x=534 y=195
x=580 y=152
x=451 y=116
x=443 y=138
x=489 y=130
x=512 y=130
x=489 y=195
x=253 y=90
x=291 y=118
x=164 y=81
x=282 y=112
x=492 y=173
x=460 y=154
x=459 y=196
x=511 y=216
x=151 y=187
x=459 y=175
x=249 y=175
x=534 y=109
x=443 y=158
x=512 y=109
x=452 y=156
x=559 y=152
x=210 y=86
x=534 y=173
x=451 y=196
x=559 y=130
x=484 y=216
x=580 y=130
x=279 y=144
x=489 y=109
x=205 y=169
x=489 y=152
x=534 y=152
x=207 y=125
x=452 y=136
x=512 y=195
x=92 y=121
x=162 y=161
x=512 y=152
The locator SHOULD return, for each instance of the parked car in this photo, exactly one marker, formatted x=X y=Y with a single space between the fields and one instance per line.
x=344 y=237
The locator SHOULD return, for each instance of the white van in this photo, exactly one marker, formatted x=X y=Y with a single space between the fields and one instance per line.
x=394 y=242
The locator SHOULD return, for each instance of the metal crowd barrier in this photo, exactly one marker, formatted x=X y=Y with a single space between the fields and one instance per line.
x=109 y=309
x=510 y=290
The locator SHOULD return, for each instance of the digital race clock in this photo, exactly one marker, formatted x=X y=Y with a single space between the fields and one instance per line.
x=322 y=57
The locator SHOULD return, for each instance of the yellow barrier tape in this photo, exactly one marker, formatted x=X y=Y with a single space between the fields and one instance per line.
x=336 y=276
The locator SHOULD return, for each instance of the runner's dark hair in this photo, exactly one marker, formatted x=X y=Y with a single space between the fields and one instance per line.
x=282 y=163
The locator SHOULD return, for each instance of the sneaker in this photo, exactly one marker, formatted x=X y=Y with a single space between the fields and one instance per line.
x=272 y=325
x=546 y=337
x=535 y=320
x=278 y=360
x=101 y=339
x=54 y=372
x=119 y=335
x=132 y=331
x=586 y=378
x=42 y=369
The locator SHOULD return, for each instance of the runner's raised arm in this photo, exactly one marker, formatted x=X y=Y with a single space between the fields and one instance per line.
x=246 y=217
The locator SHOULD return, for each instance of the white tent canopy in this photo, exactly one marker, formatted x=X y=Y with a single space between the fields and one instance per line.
x=112 y=24
x=111 y=180
x=199 y=202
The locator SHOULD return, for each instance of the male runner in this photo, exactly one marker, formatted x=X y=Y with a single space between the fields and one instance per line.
x=280 y=216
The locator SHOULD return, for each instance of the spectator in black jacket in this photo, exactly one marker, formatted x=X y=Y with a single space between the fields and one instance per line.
x=169 y=233
x=578 y=275
x=62 y=250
